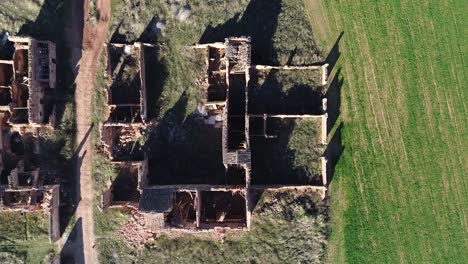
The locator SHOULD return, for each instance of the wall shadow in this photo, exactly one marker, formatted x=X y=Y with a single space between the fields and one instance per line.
x=156 y=74
x=334 y=53
x=73 y=249
x=116 y=37
x=151 y=33
x=334 y=152
x=333 y=96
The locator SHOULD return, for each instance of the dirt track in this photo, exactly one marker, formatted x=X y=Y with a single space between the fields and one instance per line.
x=94 y=37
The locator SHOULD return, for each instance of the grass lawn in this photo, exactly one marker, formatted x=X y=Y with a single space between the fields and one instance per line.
x=399 y=191
x=24 y=237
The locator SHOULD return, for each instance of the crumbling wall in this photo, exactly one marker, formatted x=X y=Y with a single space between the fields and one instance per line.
x=106 y=199
x=34 y=76
x=143 y=108
x=54 y=229
x=143 y=174
x=121 y=142
x=118 y=57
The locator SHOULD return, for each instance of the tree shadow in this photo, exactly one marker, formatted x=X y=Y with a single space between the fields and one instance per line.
x=259 y=21
x=334 y=53
x=333 y=96
x=334 y=152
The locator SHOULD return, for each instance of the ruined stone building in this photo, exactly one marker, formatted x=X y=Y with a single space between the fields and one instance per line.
x=126 y=114
x=27 y=81
x=126 y=109
x=204 y=205
x=27 y=92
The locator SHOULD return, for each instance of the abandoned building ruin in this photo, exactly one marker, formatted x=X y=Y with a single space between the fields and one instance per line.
x=27 y=81
x=204 y=206
x=126 y=111
x=27 y=89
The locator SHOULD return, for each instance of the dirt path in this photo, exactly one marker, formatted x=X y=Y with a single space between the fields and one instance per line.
x=92 y=45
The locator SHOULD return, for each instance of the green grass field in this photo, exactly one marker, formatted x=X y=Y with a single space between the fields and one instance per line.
x=399 y=194
x=25 y=237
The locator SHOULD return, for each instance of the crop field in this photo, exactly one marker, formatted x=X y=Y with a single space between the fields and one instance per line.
x=399 y=192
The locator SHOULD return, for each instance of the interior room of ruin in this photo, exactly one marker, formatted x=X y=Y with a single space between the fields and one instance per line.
x=22 y=198
x=125 y=114
x=216 y=74
x=125 y=185
x=222 y=208
x=122 y=143
x=126 y=92
x=184 y=210
x=236 y=175
x=6 y=75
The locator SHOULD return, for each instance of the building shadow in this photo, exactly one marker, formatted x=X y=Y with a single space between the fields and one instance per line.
x=334 y=152
x=72 y=251
x=271 y=98
x=333 y=96
x=151 y=33
x=62 y=22
x=156 y=73
x=117 y=37
x=334 y=53
x=259 y=21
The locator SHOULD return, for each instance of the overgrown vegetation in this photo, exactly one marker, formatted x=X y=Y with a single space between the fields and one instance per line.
x=287 y=227
x=290 y=156
x=108 y=222
x=275 y=91
x=399 y=189
x=24 y=237
x=269 y=24
x=102 y=169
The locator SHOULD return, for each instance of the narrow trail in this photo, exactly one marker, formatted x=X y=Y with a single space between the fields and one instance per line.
x=94 y=36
